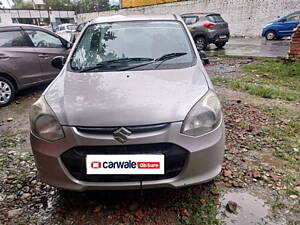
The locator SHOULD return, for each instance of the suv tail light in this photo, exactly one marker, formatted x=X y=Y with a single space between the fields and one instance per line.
x=209 y=25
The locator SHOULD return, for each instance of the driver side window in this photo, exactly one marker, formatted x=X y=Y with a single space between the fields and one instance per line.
x=42 y=39
x=292 y=18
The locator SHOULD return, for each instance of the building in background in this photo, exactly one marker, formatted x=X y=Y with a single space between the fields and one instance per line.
x=37 y=17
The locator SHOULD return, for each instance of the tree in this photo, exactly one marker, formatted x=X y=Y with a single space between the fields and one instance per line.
x=91 y=5
x=80 y=6
x=20 y=4
x=59 y=4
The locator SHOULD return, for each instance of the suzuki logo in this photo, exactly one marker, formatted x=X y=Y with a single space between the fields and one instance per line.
x=121 y=134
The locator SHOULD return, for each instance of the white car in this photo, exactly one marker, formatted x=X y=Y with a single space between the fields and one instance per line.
x=66 y=30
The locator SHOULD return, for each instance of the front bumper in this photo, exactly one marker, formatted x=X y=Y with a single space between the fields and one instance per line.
x=264 y=31
x=203 y=161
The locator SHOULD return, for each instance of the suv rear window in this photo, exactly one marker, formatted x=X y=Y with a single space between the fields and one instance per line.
x=190 y=20
x=12 y=39
x=215 y=18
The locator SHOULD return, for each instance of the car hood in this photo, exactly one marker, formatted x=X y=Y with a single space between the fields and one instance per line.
x=127 y=98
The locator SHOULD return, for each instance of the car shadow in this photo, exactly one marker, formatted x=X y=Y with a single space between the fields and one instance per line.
x=148 y=206
x=32 y=91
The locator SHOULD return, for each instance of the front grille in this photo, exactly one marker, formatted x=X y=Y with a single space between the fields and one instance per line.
x=74 y=161
x=133 y=129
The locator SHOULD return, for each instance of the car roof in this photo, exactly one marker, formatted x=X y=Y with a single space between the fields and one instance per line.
x=4 y=25
x=297 y=12
x=200 y=13
x=290 y=14
x=120 y=18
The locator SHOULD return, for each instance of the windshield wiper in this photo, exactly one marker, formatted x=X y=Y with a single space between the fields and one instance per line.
x=160 y=59
x=109 y=62
x=170 y=56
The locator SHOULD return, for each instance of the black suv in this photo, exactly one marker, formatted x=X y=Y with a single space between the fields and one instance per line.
x=207 y=28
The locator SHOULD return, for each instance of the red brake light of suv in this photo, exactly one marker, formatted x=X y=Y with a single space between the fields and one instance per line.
x=209 y=25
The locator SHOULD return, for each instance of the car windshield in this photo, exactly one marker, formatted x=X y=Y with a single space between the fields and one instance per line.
x=138 y=45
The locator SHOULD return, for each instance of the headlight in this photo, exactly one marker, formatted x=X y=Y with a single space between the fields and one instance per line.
x=43 y=121
x=205 y=116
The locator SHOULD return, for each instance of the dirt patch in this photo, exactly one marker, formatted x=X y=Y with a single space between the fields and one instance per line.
x=227 y=67
x=14 y=118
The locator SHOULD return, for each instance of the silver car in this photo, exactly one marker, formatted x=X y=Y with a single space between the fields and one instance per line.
x=132 y=107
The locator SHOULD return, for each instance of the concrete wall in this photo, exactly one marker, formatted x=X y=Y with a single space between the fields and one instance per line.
x=245 y=17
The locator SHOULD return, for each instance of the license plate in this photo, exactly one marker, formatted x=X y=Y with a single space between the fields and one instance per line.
x=125 y=164
x=222 y=36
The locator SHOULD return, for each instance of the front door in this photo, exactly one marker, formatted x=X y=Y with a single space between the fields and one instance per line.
x=47 y=46
x=288 y=25
x=18 y=57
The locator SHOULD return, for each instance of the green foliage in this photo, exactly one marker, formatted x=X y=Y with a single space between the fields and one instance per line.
x=275 y=68
x=80 y=6
x=286 y=135
x=83 y=6
x=59 y=4
x=20 y=4
x=268 y=78
x=201 y=207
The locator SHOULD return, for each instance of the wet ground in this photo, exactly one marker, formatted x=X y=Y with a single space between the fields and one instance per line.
x=252 y=178
x=250 y=209
x=258 y=47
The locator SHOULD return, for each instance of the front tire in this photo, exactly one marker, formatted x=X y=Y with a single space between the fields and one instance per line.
x=7 y=91
x=201 y=43
x=270 y=35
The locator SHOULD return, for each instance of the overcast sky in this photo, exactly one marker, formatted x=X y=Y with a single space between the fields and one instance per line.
x=114 y=2
x=6 y=3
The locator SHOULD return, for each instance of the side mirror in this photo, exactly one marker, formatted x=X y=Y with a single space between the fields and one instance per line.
x=204 y=57
x=58 y=62
x=69 y=45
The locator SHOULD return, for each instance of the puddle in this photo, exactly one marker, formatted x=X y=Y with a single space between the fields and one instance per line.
x=251 y=209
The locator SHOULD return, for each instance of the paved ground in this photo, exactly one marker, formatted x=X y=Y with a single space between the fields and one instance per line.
x=252 y=47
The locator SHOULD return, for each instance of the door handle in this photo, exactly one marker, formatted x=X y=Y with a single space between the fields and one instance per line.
x=4 y=57
x=44 y=56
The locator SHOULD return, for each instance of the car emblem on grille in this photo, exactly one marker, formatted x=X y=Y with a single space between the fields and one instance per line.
x=121 y=134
